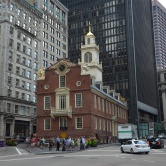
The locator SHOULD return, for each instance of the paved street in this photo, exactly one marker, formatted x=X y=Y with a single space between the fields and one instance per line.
x=107 y=156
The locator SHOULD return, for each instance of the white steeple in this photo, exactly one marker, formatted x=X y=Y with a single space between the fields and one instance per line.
x=90 y=57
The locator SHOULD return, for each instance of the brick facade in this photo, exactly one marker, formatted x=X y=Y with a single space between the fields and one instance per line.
x=90 y=112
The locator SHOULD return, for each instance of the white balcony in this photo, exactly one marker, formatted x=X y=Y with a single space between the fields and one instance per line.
x=59 y=112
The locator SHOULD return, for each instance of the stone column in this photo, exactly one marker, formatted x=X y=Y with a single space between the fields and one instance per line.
x=164 y=103
x=2 y=127
x=12 y=127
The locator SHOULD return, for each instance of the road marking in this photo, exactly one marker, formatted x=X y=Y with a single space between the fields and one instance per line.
x=31 y=158
x=103 y=150
x=158 y=153
x=149 y=161
x=13 y=155
x=18 y=151
x=82 y=155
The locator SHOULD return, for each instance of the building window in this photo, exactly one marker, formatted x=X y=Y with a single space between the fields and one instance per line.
x=24 y=49
x=9 y=93
x=29 y=40
x=63 y=17
x=35 y=76
x=11 y=42
x=62 y=82
x=23 y=26
x=58 y=13
x=29 y=51
x=18 y=46
x=47 y=102
x=63 y=55
x=95 y=103
x=99 y=104
x=8 y=107
x=95 y=123
x=47 y=124
x=18 y=11
x=10 y=67
x=45 y=63
x=62 y=123
x=17 y=70
x=103 y=105
x=23 y=84
x=99 y=124
x=35 y=54
x=29 y=74
x=29 y=63
x=88 y=57
x=11 y=7
x=23 y=72
x=78 y=100
x=52 y=57
x=9 y=80
x=24 y=16
x=45 y=4
x=23 y=96
x=11 y=30
x=17 y=82
x=79 y=123
x=16 y=108
x=62 y=102
x=28 y=97
x=104 y=125
x=11 y=18
x=51 y=7
x=35 y=66
x=28 y=86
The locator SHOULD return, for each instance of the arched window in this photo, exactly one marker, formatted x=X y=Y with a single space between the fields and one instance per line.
x=88 y=41
x=88 y=57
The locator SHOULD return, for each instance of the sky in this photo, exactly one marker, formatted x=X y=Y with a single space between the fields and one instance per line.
x=163 y=2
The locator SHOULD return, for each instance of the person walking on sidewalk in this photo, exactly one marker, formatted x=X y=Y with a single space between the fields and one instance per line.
x=50 y=145
x=57 y=143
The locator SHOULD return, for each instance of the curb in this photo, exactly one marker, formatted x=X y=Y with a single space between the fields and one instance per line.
x=65 y=152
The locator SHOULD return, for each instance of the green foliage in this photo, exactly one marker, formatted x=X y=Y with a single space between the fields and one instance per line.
x=92 y=142
x=11 y=142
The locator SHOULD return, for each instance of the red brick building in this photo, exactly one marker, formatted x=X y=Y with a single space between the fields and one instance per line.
x=71 y=97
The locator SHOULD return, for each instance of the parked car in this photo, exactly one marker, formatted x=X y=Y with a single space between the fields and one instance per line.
x=162 y=135
x=135 y=146
x=156 y=143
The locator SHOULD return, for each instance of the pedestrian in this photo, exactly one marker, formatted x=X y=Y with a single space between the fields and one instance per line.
x=42 y=142
x=17 y=139
x=82 y=143
x=50 y=145
x=57 y=143
x=64 y=144
x=27 y=141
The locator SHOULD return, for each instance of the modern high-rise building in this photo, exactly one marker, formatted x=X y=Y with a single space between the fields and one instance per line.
x=159 y=23
x=124 y=33
x=32 y=35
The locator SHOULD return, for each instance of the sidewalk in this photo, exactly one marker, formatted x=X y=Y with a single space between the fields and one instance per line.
x=45 y=150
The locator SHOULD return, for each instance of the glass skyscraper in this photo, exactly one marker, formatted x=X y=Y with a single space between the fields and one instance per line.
x=124 y=33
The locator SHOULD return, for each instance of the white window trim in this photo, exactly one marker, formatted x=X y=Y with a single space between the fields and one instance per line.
x=95 y=123
x=75 y=100
x=44 y=102
x=76 y=123
x=95 y=103
x=44 y=124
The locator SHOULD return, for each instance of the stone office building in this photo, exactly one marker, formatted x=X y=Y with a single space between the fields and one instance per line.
x=33 y=33
x=71 y=97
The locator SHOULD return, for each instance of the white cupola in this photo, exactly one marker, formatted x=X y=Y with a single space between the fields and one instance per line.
x=90 y=57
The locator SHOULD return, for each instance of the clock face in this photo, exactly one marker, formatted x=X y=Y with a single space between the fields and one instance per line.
x=62 y=67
